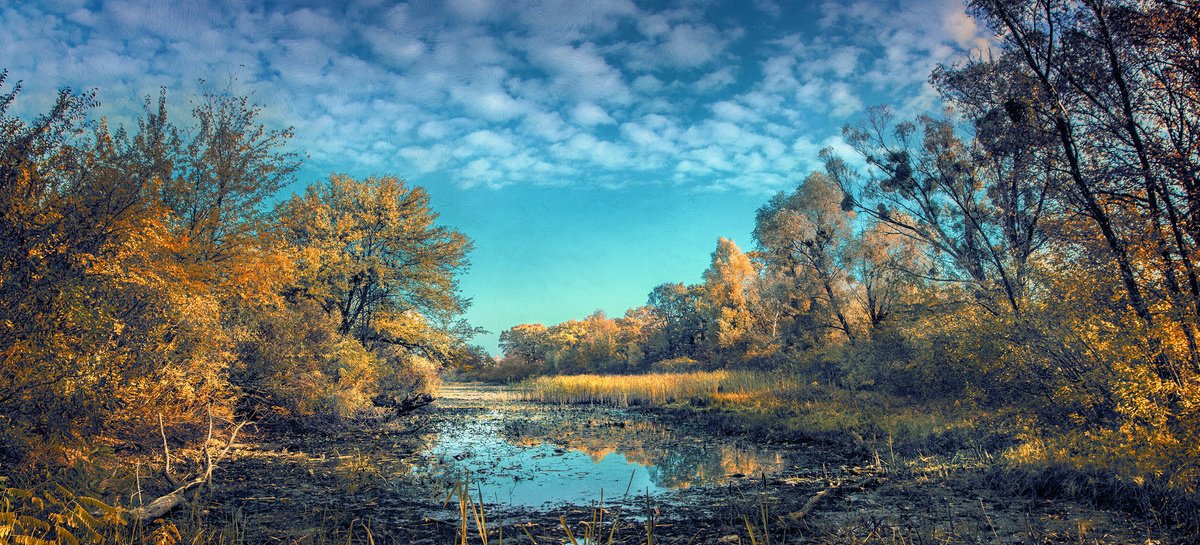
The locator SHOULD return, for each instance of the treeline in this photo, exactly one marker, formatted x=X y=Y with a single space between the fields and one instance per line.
x=155 y=274
x=1032 y=250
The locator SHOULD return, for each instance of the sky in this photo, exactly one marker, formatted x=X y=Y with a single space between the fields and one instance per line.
x=591 y=149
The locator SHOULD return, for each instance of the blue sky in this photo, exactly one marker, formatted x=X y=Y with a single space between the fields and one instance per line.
x=592 y=149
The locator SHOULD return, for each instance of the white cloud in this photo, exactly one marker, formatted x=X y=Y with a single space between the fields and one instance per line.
x=479 y=171
x=538 y=91
x=590 y=115
x=571 y=18
x=394 y=48
x=581 y=71
x=548 y=126
x=426 y=160
x=769 y=7
x=718 y=79
x=433 y=130
x=489 y=142
x=491 y=105
x=690 y=45
x=647 y=83
x=585 y=147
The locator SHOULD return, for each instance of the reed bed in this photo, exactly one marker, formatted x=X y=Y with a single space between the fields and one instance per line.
x=651 y=389
x=776 y=405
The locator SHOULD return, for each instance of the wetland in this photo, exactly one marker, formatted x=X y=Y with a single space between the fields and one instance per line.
x=535 y=468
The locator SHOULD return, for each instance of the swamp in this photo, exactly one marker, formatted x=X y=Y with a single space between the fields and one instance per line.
x=868 y=272
x=529 y=464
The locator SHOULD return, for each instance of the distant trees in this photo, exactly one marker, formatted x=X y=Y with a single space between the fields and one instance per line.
x=142 y=275
x=529 y=342
x=683 y=327
x=1034 y=248
x=816 y=274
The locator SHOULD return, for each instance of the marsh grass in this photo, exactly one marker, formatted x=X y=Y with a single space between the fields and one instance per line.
x=625 y=390
x=778 y=406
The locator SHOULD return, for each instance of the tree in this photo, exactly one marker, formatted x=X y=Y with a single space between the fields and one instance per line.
x=370 y=252
x=1109 y=86
x=881 y=261
x=529 y=342
x=975 y=209
x=804 y=235
x=727 y=296
x=223 y=172
x=100 y=316
x=678 y=308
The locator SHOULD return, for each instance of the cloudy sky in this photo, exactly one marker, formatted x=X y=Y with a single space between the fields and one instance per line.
x=592 y=149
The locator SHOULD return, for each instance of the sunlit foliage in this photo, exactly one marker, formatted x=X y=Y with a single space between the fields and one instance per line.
x=144 y=279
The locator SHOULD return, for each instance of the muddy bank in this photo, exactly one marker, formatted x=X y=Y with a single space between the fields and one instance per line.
x=533 y=464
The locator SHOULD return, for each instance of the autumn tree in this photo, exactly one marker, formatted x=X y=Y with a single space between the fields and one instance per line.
x=881 y=262
x=635 y=329
x=1105 y=92
x=226 y=166
x=1106 y=86
x=727 y=297
x=804 y=235
x=100 y=313
x=143 y=280
x=774 y=310
x=371 y=254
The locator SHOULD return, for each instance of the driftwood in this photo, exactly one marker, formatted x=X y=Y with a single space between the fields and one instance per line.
x=164 y=504
x=404 y=406
x=834 y=487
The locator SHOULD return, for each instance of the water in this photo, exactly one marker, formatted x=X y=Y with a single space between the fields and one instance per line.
x=525 y=456
x=535 y=475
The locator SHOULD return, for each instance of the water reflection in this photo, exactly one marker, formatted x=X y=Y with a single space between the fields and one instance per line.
x=550 y=459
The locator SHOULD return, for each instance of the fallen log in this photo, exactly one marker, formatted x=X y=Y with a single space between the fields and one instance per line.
x=164 y=504
x=407 y=405
x=834 y=486
x=813 y=501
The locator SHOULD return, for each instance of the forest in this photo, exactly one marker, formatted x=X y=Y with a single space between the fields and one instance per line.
x=1025 y=264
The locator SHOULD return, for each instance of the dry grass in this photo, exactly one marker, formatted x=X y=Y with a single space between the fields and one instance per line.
x=775 y=405
x=654 y=389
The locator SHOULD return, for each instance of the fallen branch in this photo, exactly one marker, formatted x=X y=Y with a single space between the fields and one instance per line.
x=834 y=486
x=404 y=406
x=166 y=453
x=175 y=498
x=813 y=501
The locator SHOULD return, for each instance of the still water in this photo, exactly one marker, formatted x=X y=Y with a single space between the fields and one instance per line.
x=522 y=455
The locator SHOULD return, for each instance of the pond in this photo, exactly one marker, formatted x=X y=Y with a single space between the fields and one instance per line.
x=528 y=455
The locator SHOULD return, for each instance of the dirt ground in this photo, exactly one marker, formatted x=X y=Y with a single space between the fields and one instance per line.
x=373 y=483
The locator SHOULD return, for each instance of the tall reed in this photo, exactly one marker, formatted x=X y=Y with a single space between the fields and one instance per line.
x=647 y=389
